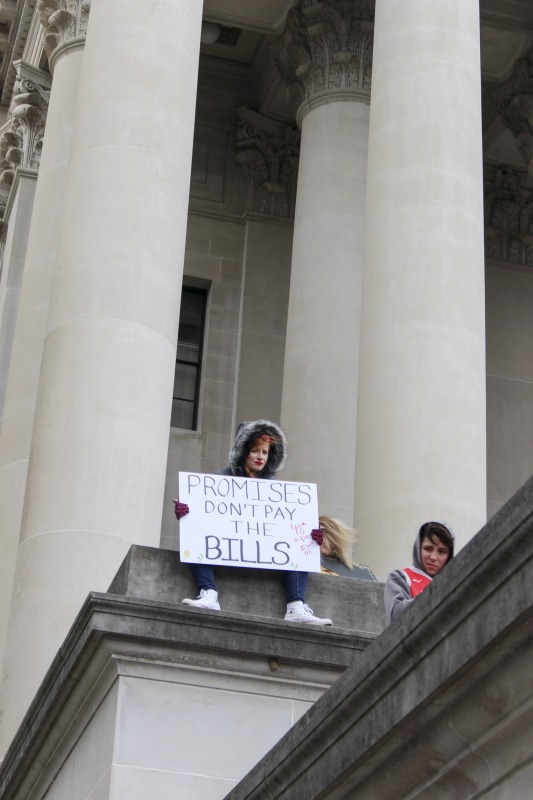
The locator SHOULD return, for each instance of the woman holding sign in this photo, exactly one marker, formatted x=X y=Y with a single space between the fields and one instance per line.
x=259 y=451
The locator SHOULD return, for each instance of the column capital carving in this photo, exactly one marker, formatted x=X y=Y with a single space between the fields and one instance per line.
x=268 y=152
x=514 y=101
x=509 y=217
x=22 y=135
x=326 y=50
x=64 y=22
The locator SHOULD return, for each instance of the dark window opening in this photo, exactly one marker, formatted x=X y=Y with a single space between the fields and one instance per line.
x=186 y=393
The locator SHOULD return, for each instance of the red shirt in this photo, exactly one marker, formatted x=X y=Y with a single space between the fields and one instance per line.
x=417 y=581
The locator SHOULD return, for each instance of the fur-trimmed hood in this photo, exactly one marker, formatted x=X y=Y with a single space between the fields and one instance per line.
x=247 y=433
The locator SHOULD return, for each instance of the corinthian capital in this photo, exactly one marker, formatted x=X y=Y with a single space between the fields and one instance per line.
x=64 y=21
x=514 y=101
x=268 y=153
x=327 y=47
x=21 y=137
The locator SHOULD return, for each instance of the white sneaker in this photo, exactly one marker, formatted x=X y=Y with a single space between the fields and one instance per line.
x=207 y=598
x=300 y=612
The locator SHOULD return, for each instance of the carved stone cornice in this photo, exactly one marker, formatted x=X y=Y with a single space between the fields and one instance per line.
x=327 y=48
x=268 y=152
x=22 y=135
x=64 y=22
x=514 y=101
x=509 y=217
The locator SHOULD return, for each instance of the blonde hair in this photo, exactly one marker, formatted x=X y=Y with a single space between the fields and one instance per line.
x=339 y=537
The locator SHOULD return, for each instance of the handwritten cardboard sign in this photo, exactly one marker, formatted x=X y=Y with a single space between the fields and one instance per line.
x=244 y=522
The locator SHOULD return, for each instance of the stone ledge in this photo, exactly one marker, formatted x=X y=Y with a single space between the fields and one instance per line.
x=155 y=574
x=153 y=629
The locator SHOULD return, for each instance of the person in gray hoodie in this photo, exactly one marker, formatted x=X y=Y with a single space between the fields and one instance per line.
x=259 y=451
x=432 y=550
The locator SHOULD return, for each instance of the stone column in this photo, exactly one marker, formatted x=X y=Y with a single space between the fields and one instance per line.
x=15 y=228
x=21 y=144
x=421 y=414
x=21 y=140
x=97 y=467
x=326 y=59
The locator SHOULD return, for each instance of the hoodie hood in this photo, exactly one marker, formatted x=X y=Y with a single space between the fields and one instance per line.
x=417 y=547
x=247 y=433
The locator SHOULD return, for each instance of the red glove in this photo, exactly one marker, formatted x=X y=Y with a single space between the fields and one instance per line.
x=180 y=509
x=317 y=535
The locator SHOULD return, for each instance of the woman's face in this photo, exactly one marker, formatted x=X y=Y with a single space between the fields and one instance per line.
x=257 y=457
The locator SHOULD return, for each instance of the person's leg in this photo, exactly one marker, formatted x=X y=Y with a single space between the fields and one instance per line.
x=204 y=577
x=295 y=584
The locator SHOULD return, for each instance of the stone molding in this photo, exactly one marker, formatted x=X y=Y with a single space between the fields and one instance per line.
x=509 y=217
x=326 y=97
x=327 y=49
x=268 y=152
x=64 y=22
x=514 y=102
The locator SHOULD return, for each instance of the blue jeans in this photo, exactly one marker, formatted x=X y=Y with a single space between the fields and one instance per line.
x=294 y=583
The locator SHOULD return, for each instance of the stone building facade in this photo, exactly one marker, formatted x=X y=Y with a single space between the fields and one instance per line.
x=314 y=212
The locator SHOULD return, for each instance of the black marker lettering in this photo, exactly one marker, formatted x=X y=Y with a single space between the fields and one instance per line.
x=223 y=487
x=192 y=482
x=243 y=559
x=230 y=557
x=275 y=492
x=214 y=546
x=277 y=548
x=258 y=551
x=305 y=490
x=209 y=484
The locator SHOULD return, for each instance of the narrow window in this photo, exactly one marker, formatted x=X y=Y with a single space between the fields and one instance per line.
x=185 y=399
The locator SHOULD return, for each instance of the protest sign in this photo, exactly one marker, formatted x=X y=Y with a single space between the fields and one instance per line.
x=247 y=522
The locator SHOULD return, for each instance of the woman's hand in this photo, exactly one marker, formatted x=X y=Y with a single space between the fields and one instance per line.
x=180 y=509
x=318 y=535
